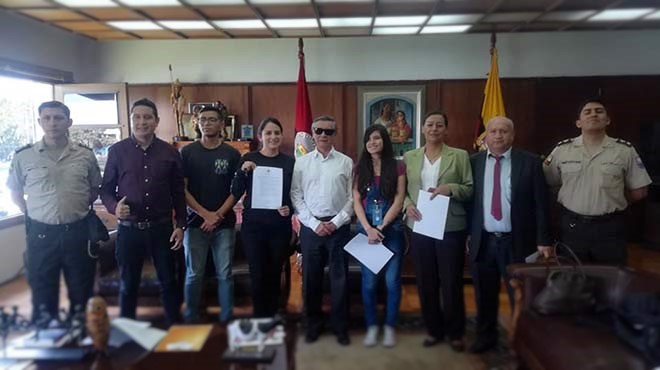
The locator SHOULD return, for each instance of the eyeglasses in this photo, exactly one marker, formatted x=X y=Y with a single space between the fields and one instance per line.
x=327 y=131
x=209 y=120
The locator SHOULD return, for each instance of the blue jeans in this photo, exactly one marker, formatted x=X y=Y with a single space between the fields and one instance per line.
x=392 y=272
x=197 y=243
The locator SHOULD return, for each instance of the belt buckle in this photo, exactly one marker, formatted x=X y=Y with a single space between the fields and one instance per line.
x=498 y=234
x=142 y=225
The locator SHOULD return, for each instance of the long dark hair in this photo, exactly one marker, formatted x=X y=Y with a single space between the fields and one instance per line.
x=364 y=172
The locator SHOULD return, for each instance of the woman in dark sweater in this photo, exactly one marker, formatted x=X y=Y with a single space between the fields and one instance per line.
x=266 y=233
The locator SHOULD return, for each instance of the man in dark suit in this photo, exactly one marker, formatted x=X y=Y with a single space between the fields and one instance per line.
x=509 y=221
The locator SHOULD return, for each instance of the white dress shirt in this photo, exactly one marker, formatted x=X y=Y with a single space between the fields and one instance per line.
x=490 y=223
x=322 y=187
x=430 y=173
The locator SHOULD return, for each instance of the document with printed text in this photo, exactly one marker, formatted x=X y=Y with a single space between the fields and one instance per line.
x=267 y=187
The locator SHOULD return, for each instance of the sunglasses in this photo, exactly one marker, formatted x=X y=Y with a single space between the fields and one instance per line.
x=327 y=131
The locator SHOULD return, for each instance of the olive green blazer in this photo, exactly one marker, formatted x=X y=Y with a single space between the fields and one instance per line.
x=455 y=171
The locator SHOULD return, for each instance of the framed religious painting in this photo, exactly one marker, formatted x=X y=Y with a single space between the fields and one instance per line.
x=398 y=108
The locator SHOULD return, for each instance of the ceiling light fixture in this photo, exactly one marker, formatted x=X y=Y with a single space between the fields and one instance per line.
x=88 y=3
x=216 y=2
x=655 y=16
x=148 y=3
x=134 y=25
x=617 y=15
x=458 y=28
x=413 y=20
x=186 y=25
x=395 y=30
x=346 y=22
x=454 y=19
x=292 y=23
x=241 y=24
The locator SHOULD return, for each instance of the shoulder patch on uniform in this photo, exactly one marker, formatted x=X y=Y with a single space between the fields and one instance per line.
x=548 y=160
x=639 y=163
x=566 y=141
x=626 y=143
x=85 y=146
x=23 y=148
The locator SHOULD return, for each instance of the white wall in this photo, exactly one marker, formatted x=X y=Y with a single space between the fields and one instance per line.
x=29 y=41
x=11 y=251
x=456 y=56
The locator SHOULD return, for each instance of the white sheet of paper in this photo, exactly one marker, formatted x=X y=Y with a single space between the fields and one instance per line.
x=140 y=332
x=267 y=187
x=434 y=215
x=374 y=256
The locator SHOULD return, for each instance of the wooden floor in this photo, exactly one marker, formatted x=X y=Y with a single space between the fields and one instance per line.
x=17 y=292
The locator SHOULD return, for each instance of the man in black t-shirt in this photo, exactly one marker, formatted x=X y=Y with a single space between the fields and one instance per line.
x=209 y=166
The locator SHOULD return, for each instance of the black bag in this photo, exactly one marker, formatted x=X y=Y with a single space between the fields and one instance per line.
x=567 y=291
x=637 y=323
x=96 y=229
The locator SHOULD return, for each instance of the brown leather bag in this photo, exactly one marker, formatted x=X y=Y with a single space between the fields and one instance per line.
x=567 y=291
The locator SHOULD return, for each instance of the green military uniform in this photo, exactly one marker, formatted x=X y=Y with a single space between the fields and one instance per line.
x=59 y=185
x=592 y=192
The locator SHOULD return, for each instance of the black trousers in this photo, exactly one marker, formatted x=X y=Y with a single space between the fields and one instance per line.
x=495 y=254
x=52 y=249
x=599 y=240
x=266 y=247
x=133 y=246
x=439 y=266
x=318 y=251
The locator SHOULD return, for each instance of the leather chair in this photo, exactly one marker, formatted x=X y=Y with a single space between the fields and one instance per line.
x=565 y=342
x=108 y=282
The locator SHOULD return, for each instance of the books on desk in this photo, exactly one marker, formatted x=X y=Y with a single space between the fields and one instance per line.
x=46 y=338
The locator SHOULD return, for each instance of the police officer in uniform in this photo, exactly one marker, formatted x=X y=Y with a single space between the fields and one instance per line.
x=61 y=180
x=597 y=176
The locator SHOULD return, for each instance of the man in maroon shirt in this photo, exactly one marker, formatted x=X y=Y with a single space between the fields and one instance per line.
x=142 y=184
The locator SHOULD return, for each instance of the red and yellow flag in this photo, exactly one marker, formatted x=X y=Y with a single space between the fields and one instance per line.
x=303 y=138
x=493 y=104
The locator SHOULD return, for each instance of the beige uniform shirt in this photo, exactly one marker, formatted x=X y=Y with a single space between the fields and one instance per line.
x=58 y=191
x=595 y=185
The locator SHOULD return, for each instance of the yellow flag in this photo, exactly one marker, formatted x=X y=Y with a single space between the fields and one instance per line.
x=493 y=103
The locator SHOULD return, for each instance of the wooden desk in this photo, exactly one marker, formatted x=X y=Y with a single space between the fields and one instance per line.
x=132 y=356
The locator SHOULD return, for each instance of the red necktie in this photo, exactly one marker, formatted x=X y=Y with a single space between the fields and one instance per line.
x=496 y=202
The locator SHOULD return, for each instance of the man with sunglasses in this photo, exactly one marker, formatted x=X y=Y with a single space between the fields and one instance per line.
x=321 y=192
x=209 y=165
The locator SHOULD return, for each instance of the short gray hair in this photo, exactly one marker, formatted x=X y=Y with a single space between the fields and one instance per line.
x=507 y=120
x=325 y=118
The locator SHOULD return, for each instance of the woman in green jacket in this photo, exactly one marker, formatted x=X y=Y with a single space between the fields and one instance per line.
x=441 y=170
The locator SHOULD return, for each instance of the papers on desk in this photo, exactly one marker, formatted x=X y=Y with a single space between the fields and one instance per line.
x=188 y=338
x=434 y=215
x=267 y=187
x=374 y=256
x=141 y=332
x=45 y=338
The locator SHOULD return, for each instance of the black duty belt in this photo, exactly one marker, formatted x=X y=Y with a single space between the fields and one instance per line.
x=59 y=227
x=498 y=234
x=144 y=225
x=597 y=218
x=326 y=218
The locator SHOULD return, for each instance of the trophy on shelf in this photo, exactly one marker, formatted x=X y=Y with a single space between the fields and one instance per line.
x=178 y=102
